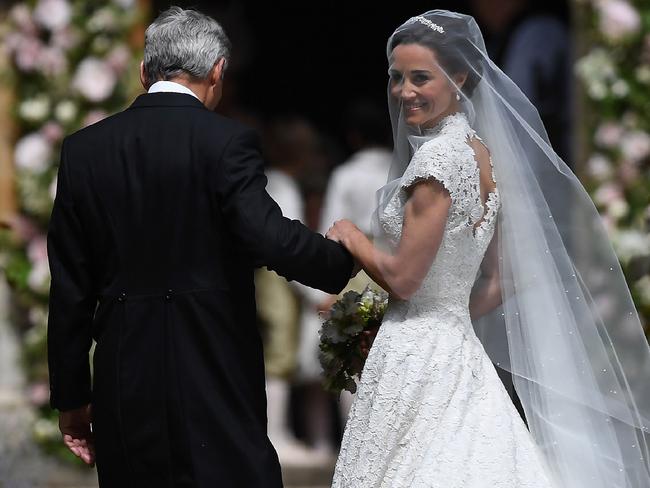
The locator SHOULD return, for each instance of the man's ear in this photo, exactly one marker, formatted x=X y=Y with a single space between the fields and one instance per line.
x=218 y=71
x=143 y=76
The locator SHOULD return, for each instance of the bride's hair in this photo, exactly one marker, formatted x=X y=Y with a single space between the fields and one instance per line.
x=455 y=53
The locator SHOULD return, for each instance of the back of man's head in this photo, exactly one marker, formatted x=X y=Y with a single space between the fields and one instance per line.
x=183 y=43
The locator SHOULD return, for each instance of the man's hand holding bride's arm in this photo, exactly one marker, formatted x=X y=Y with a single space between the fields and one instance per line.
x=402 y=273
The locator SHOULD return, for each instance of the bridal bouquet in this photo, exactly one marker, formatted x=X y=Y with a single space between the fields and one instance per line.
x=340 y=337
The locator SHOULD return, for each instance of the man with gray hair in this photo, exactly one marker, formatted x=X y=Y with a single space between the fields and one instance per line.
x=161 y=216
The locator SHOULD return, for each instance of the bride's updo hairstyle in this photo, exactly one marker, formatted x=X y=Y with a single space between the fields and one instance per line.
x=448 y=38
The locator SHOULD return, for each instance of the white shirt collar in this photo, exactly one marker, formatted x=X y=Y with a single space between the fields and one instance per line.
x=171 y=86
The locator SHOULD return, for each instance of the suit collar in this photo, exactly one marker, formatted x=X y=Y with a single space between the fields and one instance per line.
x=167 y=99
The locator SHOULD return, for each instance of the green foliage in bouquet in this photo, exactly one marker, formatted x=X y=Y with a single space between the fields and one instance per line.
x=340 y=347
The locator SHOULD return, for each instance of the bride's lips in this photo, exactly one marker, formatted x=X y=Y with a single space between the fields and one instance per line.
x=414 y=107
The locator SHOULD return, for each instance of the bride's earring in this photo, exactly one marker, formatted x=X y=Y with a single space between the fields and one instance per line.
x=457 y=96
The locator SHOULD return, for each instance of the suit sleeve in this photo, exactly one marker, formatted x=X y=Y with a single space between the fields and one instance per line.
x=283 y=245
x=72 y=303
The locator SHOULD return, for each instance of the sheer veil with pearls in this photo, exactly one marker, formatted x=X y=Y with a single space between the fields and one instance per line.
x=567 y=328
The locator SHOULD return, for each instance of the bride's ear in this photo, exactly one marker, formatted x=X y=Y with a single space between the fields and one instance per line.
x=459 y=79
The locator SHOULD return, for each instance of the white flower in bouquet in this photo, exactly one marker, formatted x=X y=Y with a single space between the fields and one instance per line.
x=35 y=109
x=618 y=19
x=630 y=243
x=94 y=79
x=635 y=145
x=33 y=153
x=53 y=14
x=65 y=111
x=608 y=134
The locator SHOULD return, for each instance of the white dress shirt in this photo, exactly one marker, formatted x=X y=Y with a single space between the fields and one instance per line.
x=171 y=86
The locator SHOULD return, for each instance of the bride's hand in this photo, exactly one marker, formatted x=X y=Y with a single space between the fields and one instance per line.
x=341 y=231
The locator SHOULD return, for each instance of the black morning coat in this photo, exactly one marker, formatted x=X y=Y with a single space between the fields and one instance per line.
x=160 y=217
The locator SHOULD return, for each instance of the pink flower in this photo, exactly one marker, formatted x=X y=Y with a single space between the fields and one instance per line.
x=39 y=394
x=118 y=58
x=607 y=193
x=52 y=61
x=23 y=229
x=53 y=14
x=33 y=153
x=93 y=117
x=22 y=18
x=635 y=146
x=65 y=38
x=53 y=132
x=37 y=250
x=27 y=53
x=94 y=79
x=618 y=19
x=608 y=134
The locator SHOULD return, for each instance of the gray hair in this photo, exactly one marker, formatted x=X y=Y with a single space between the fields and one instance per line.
x=183 y=42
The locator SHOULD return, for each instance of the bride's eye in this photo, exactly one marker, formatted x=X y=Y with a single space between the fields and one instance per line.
x=420 y=79
x=395 y=77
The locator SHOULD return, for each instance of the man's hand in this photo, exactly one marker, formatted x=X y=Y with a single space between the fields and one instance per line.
x=75 y=427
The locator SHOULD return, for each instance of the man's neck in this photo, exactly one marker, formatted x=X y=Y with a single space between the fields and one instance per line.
x=198 y=88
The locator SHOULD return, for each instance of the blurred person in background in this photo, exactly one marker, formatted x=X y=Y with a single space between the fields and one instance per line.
x=350 y=195
x=289 y=145
x=531 y=43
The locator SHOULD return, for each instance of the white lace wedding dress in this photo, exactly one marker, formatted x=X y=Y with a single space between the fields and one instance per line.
x=430 y=410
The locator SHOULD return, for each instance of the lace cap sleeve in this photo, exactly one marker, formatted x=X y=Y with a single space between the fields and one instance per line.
x=432 y=160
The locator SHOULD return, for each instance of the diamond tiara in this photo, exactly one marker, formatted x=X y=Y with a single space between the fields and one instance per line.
x=429 y=24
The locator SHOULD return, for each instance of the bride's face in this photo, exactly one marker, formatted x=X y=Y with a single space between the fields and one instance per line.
x=418 y=82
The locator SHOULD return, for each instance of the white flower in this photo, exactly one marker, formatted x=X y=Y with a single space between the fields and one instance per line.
x=102 y=20
x=607 y=193
x=94 y=79
x=39 y=277
x=599 y=167
x=617 y=208
x=52 y=131
x=33 y=153
x=118 y=58
x=630 y=243
x=53 y=14
x=608 y=134
x=65 y=111
x=643 y=287
x=22 y=17
x=45 y=429
x=35 y=109
x=635 y=145
x=642 y=74
x=125 y=4
x=620 y=88
x=28 y=52
x=618 y=19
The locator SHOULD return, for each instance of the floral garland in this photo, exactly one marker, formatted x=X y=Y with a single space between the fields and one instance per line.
x=615 y=75
x=71 y=63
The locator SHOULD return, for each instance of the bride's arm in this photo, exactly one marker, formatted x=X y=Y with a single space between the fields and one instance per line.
x=486 y=294
x=402 y=273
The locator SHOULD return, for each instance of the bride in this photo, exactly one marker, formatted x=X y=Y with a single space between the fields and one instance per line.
x=491 y=251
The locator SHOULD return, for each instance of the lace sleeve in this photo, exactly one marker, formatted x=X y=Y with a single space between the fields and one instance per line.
x=432 y=160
